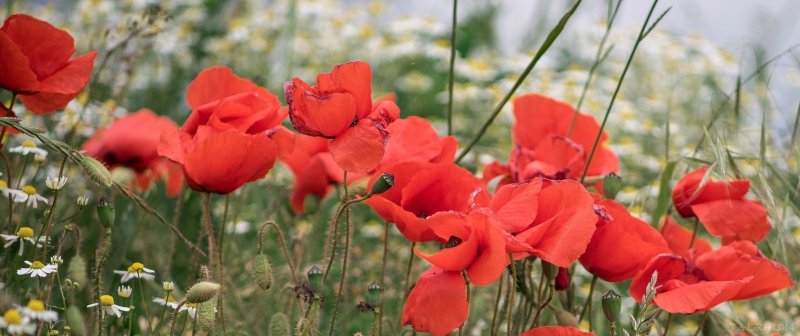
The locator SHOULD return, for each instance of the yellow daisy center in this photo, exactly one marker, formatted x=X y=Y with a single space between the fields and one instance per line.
x=25 y=232
x=3 y=184
x=136 y=267
x=170 y=298
x=36 y=305
x=12 y=317
x=28 y=189
x=191 y=305
x=37 y=265
x=28 y=144
x=106 y=300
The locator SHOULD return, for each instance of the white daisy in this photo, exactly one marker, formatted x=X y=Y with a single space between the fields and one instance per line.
x=82 y=201
x=107 y=303
x=136 y=270
x=16 y=324
x=28 y=147
x=30 y=197
x=37 y=269
x=9 y=192
x=169 y=301
x=36 y=310
x=124 y=291
x=56 y=182
x=23 y=234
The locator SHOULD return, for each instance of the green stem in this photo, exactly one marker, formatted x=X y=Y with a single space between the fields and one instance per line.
x=220 y=264
x=512 y=291
x=496 y=307
x=175 y=318
x=338 y=299
x=282 y=242
x=144 y=305
x=452 y=66
x=666 y=327
x=588 y=302
x=694 y=233
x=469 y=298
x=383 y=275
x=212 y=244
x=45 y=230
x=701 y=324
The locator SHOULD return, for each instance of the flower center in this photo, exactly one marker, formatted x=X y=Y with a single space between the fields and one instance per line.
x=453 y=242
x=36 y=305
x=3 y=184
x=28 y=144
x=37 y=265
x=25 y=232
x=28 y=189
x=106 y=300
x=12 y=317
x=191 y=305
x=136 y=267
x=170 y=298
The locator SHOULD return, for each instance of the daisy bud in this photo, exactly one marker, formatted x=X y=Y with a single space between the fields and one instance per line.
x=82 y=201
x=315 y=278
x=549 y=270
x=168 y=286
x=611 y=305
x=78 y=327
x=206 y=314
x=383 y=183
x=374 y=291
x=566 y=319
x=612 y=184
x=124 y=291
x=202 y=292
x=262 y=271
x=96 y=170
x=76 y=270
x=279 y=325
x=53 y=332
x=105 y=211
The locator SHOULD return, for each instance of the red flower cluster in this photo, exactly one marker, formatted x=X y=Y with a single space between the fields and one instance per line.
x=37 y=64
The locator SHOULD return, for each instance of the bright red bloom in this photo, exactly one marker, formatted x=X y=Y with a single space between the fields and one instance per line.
x=36 y=64
x=232 y=136
x=622 y=243
x=313 y=168
x=421 y=190
x=132 y=142
x=438 y=302
x=474 y=242
x=556 y=331
x=737 y=271
x=414 y=139
x=340 y=108
x=721 y=206
x=541 y=145
x=554 y=217
x=679 y=238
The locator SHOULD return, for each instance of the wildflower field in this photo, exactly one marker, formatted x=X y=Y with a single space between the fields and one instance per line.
x=321 y=167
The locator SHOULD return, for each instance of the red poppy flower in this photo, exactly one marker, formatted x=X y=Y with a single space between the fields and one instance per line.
x=721 y=206
x=542 y=147
x=622 y=243
x=340 y=108
x=438 y=302
x=474 y=242
x=36 y=64
x=232 y=136
x=421 y=190
x=737 y=271
x=125 y=144
x=414 y=139
x=313 y=168
x=554 y=217
x=678 y=238
x=556 y=331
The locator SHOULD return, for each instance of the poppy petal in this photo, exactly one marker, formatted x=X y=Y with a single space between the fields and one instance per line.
x=46 y=47
x=438 y=302
x=692 y=298
x=740 y=260
x=16 y=71
x=72 y=77
x=556 y=331
x=516 y=205
x=450 y=226
x=354 y=78
x=218 y=82
x=678 y=238
x=360 y=148
x=738 y=219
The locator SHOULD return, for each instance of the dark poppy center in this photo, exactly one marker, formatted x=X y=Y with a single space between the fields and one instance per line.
x=453 y=242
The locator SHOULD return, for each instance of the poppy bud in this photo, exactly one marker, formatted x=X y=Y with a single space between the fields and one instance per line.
x=96 y=170
x=549 y=270
x=611 y=305
x=279 y=325
x=76 y=323
x=262 y=271
x=374 y=291
x=202 y=292
x=76 y=270
x=383 y=183
x=612 y=184
x=206 y=314
x=566 y=318
x=315 y=278
x=562 y=279
x=105 y=211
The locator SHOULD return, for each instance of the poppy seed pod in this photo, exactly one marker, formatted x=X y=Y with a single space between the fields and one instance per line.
x=382 y=184
x=612 y=184
x=105 y=211
x=566 y=318
x=262 y=271
x=374 y=291
x=611 y=305
x=96 y=170
x=202 y=292
x=315 y=278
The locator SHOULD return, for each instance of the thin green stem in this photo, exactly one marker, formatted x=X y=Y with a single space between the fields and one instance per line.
x=383 y=275
x=669 y=322
x=282 y=241
x=144 y=305
x=451 y=72
x=212 y=245
x=588 y=303
x=220 y=264
x=701 y=324
x=407 y=282
x=469 y=299
x=175 y=318
x=694 y=233
x=496 y=307
x=343 y=278
x=512 y=291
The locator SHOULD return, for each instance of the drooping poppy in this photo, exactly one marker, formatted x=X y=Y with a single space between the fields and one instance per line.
x=544 y=145
x=232 y=136
x=132 y=142
x=622 y=243
x=340 y=108
x=679 y=239
x=438 y=302
x=37 y=64
x=721 y=206
x=421 y=190
x=737 y=271
x=313 y=168
x=556 y=331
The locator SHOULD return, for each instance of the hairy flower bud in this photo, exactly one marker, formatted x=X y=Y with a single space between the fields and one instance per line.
x=96 y=170
x=202 y=292
x=76 y=271
x=612 y=184
x=106 y=213
x=262 y=271
x=279 y=325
